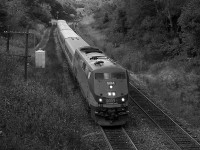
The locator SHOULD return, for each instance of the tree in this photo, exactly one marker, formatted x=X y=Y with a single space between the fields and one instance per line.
x=138 y=10
x=106 y=18
x=3 y=16
x=16 y=11
x=190 y=26
x=121 y=22
x=64 y=11
x=172 y=10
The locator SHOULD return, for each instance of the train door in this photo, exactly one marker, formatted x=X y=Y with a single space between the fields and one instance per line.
x=75 y=63
x=83 y=79
x=81 y=76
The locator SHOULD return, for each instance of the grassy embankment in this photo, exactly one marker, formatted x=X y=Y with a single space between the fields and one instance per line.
x=172 y=84
x=36 y=114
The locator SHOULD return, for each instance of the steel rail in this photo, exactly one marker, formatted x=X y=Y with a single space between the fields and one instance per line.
x=173 y=139
x=117 y=139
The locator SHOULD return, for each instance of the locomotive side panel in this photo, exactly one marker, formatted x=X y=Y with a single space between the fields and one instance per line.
x=82 y=72
x=65 y=48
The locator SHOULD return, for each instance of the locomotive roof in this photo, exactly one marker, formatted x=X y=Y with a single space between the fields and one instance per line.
x=96 y=58
x=61 y=21
x=64 y=26
x=75 y=43
x=69 y=34
x=72 y=40
x=89 y=49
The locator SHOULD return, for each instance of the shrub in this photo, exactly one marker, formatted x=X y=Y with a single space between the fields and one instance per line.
x=178 y=90
x=157 y=67
x=33 y=113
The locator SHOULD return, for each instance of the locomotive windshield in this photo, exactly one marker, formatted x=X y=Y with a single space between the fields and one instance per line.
x=114 y=75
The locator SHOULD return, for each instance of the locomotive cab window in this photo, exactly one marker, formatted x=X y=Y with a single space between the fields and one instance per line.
x=84 y=66
x=115 y=75
x=99 y=76
x=118 y=75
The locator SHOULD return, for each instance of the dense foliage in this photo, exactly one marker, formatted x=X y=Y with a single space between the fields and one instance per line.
x=166 y=28
x=159 y=40
x=21 y=13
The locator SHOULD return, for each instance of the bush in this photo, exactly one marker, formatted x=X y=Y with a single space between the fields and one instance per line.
x=34 y=114
x=157 y=67
x=178 y=90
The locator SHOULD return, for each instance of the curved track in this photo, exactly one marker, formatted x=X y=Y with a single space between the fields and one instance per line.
x=118 y=139
x=180 y=138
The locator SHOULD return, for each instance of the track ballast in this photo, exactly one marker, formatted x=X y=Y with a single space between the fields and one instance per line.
x=118 y=139
x=180 y=138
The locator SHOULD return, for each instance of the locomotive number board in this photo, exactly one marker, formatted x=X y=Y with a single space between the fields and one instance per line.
x=110 y=83
x=110 y=100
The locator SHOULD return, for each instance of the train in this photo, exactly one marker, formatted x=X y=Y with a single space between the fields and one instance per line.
x=104 y=83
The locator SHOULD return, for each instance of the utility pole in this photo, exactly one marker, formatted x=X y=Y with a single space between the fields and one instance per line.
x=34 y=39
x=57 y=14
x=26 y=54
x=8 y=39
x=26 y=48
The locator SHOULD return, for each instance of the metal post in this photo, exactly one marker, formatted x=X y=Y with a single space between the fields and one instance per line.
x=57 y=15
x=8 y=39
x=26 y=54
x=34 y=39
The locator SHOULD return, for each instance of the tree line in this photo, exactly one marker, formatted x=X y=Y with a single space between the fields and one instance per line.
x=21 y=13
x=164 y=28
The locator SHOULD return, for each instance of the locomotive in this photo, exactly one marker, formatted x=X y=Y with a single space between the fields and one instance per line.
x=103 y=83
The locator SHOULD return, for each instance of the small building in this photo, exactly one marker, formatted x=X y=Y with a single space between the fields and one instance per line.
x=40 y=58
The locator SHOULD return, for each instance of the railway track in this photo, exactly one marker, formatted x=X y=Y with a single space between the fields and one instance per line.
x=179 y=137
x=118 y=139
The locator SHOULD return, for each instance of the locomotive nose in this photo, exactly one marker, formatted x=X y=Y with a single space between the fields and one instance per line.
x=110 y=85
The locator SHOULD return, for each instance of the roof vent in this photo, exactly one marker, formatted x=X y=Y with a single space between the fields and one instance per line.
x=100 y=63
x=97 y=57
x=89 y=49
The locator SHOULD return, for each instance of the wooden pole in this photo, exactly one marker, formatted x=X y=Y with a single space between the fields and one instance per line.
x=26 y=55
x=8 y=40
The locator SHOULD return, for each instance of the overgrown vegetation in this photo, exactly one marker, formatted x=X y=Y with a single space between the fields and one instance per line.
x=18 y=14
x=159 y=41
x=36 y=114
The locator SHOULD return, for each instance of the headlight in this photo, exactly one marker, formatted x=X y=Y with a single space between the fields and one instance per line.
x=109 y=93
x=111 y=86
x=100 y=100
x=123 y=99
x=113 y=94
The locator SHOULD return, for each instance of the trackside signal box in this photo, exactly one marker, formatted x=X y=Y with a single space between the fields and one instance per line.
x=40 y=58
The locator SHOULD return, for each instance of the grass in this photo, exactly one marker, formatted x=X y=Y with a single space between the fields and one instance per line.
x=36 y=114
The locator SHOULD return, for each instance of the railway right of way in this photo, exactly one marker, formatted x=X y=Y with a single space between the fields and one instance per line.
x=174 y=132
x=118 y=139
